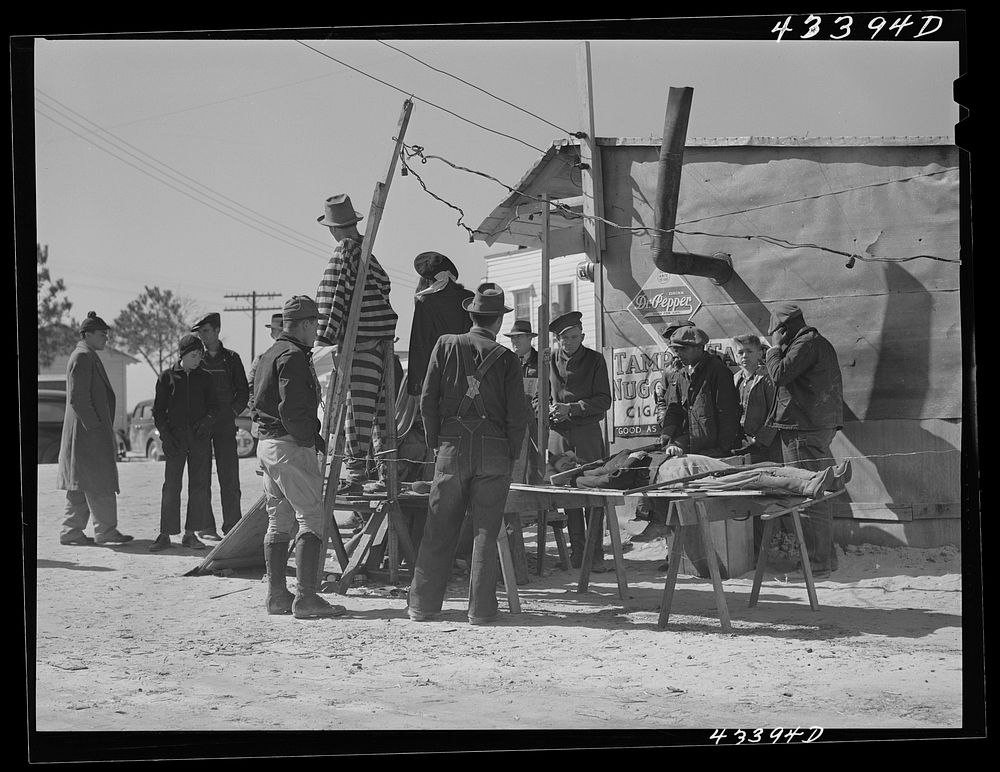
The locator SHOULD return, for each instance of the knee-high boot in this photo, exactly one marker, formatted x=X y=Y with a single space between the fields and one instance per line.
x=278 y=599
x=307 y=604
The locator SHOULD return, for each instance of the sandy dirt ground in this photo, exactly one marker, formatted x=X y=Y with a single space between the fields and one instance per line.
x=126 y=642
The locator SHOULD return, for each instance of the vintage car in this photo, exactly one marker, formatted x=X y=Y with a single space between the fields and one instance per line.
x=145 y=438
x=51 y=412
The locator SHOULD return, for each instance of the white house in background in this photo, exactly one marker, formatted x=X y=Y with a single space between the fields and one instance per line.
x=519 y=272
x=114 y=361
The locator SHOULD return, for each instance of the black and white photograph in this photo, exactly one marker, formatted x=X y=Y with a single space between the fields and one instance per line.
x=611 y=378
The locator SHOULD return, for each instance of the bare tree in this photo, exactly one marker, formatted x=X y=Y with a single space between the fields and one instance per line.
x=56 y=330
x=151 y=325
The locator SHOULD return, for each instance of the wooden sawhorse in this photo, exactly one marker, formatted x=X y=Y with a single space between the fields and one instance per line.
x=701 y=518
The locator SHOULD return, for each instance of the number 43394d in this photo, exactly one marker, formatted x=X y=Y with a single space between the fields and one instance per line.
x=847 y=26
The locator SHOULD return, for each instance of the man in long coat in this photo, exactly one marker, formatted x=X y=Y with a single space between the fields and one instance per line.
x=88 y=455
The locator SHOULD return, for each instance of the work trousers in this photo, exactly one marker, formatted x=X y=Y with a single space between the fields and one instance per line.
x=365 y=414
x=811 y=450
x=81 y=505
x=471 y=473
x=195 y=453
x=293 y=488
x=227 y=467
x=587 y=442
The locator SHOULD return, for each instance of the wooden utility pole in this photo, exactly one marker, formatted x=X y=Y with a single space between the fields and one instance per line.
x=545 y=351
x=253 y=309
x=591 y=181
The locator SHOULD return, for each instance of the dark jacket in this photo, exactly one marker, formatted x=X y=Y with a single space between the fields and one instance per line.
x=286 y=394
x=237 y=400
x=184 y=400
x=88 y=453
x=434 y=314
x=502 y=389
x=581 y=381
x=529 y=366
x=756 y=393
x=702 y=415
x=673 y=383
x=806 y=375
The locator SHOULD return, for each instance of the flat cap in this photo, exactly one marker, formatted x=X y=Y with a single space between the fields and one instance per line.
x=671 y=328
x=190 y=343
x=782 y=313
x=688 y=336
x=213 y=319
x=93 y=323
x=562 y=323
x=300 y=307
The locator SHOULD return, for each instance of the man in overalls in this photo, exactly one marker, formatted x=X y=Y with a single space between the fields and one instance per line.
x=474 y=416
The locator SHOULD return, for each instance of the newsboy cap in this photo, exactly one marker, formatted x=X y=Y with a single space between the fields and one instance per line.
x=430 y=264
x=688 y=336
x=339 y=212
x=782 y=313
x=93 y=323
x=562 y=323
x=300 y=307
x=489 y=299
x=213 y=319
x=671 y=328
x=190 y=343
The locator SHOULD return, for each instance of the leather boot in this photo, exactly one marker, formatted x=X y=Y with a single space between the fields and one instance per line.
x=656 y=527
x=307 y=604
x=278 y=599
x=841 y=475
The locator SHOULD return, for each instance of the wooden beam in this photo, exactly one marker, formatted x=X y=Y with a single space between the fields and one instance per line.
x=544 y=350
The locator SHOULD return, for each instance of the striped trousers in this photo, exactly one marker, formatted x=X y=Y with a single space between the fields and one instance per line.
x=365 y=405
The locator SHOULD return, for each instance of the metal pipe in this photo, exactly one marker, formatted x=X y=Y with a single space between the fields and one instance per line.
x=717 y=267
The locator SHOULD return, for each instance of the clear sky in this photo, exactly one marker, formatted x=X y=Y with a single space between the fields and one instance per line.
x=201 y=166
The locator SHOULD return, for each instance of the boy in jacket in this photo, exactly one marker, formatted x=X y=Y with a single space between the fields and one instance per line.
x=184 y=411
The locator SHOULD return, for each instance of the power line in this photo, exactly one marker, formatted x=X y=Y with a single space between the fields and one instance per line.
x=411 y=151
x=420 y=99
x=253 y=309
x=306 y=244
x=577 y=134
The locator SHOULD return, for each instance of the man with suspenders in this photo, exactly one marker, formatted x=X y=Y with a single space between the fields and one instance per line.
x=474 y=415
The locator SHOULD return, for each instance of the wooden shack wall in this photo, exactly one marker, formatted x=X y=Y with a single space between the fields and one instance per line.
x=895 y=325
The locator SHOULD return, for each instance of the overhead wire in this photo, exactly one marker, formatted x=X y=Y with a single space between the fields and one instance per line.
x=417 y=151
x=306 y=244
x=577 y=134
x=411 y=95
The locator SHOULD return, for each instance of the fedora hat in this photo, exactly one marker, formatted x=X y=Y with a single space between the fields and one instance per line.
x=489 y=299
x=276 y=321
x=521 y=327
x=339 y=212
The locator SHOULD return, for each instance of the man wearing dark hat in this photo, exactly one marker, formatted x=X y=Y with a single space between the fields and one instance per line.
x=184 y=413
x=581 y=394
x=474 y=414
x=88 y=454
x=376 y=330
x=437 y=311
x=700 y=415
x=520 y=335
x=232 y=391
x=673 y=380
x=807 y=412
x=286 y=397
